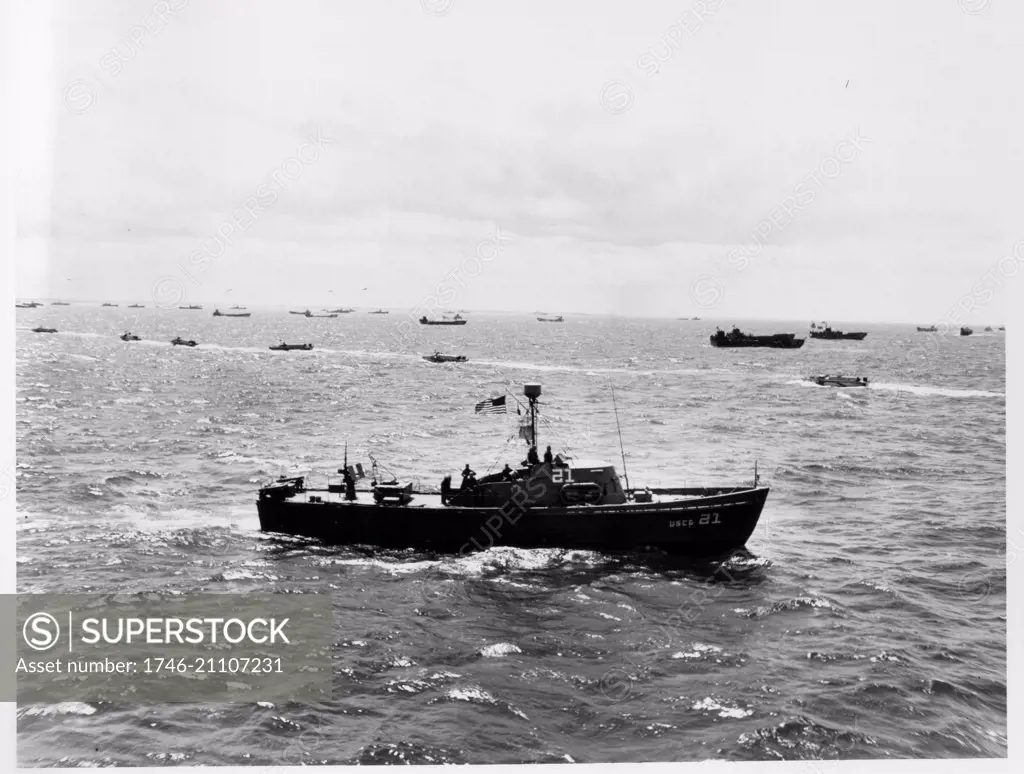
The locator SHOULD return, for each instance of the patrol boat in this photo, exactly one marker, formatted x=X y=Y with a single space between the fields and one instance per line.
x=550 y=504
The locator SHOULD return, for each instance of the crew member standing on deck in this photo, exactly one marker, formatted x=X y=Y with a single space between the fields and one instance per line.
x=548 y=457
x=468 y=477
x=531 y=457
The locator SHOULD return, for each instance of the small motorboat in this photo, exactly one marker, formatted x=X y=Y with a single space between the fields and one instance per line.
x=1002 y=327
x=41 y=329
x=827 y=380
x=126 y=336
x=825 y=332
x=437 y=357
x=180 y=342
x=559 y=318
x=929 y=329
x=457 y=320
x=965 y=331
x=282 y=347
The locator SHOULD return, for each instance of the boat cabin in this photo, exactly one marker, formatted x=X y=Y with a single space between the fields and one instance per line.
x=544 y=485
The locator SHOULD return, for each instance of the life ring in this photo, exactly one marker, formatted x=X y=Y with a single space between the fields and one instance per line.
x=577 y=494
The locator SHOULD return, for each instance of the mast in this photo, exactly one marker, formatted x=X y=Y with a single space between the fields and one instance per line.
x=622 y=450
x=532 y=391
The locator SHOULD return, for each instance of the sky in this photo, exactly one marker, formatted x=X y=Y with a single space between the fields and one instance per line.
x=715 y=158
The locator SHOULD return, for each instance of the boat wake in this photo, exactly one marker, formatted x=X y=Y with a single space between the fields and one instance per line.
x=913 y=389
x=945 y=392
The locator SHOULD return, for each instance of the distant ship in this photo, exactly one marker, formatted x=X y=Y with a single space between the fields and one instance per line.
x=929 y=329
x=107 y=303
x=191 y=306
x=379 y=311
x=965 y=331
x=457 y=320
x=136 y=306
x=219 y=313
x=551 y=319
x=838 y=381
x=437 y=357
x=988 y=329
x=737 y=338
x=310 y=314
x=237 y=307
x=41 y=329
x=59 y=303
x=28 y=305
x=282 y=347
x=336 y=311
x=827 y=333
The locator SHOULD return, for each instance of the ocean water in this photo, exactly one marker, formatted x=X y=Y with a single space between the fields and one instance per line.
x=866 y=619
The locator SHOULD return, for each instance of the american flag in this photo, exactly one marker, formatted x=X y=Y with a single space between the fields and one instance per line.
x=492 y=406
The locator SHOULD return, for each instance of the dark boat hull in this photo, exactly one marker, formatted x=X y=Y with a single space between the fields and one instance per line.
x=759 y=341
x=443 y=322
x=701 y=526
x=824 y=335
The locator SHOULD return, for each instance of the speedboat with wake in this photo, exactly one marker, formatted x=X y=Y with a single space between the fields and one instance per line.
x=180 y=342
x=437 y=357
x=282 y=347
x=126 y=336
x=838 y=380
x=551 y=504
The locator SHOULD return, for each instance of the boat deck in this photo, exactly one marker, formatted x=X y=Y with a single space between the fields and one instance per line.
x=433 y=499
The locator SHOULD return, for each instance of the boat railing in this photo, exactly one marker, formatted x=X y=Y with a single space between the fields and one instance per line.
x=694 y=491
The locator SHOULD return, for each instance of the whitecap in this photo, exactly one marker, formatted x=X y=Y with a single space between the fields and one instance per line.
x=64 y=708
x=499 y=649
